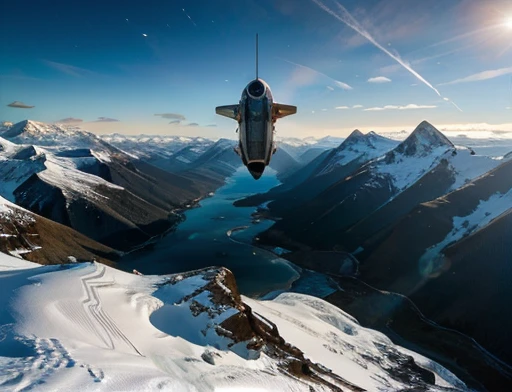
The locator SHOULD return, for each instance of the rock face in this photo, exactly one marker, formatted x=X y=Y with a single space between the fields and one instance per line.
x=230 y=323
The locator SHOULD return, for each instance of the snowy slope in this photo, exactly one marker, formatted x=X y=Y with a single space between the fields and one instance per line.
x=8 y=263
x=421 y=152
x=485 y=212
x=360 y=147
x=52 y=135
x=88 y=327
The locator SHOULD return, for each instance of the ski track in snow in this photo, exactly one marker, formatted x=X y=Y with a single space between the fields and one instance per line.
x=108 y=331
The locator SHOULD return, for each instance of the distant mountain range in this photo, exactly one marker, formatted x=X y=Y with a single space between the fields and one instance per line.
x=424 y=218
x=118 y=190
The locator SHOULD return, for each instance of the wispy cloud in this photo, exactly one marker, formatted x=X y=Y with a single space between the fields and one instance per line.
x=330 y=88
x=346 y=18
x=411 y=106
x=349 y=107
x=465 y=35
x=379 y=79
x=192 y=125
x=69 y=69
x=19 y=105
x=485 y=75
x=307 y=75
x=211 y=125
x=342 y=85
x=69 y=120
x=172 y=116
x=106 y=119
x=174 y=122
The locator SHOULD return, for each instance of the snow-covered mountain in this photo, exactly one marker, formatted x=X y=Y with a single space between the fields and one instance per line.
x=357 y=147
x=75 y=178
x=30 y=132
x=89 y=327
x=388 y=186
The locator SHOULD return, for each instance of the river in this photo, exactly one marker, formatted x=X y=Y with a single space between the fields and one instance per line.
x=201 y=241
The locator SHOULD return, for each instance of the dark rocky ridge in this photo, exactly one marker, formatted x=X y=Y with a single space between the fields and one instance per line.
x=48 y=242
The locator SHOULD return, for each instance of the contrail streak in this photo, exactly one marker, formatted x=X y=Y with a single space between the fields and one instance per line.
x=341 y=85
x=346 y=18
x=188 y=16
x=463 y=36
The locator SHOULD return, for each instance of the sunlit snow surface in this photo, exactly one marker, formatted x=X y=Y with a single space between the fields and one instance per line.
x=87 y=327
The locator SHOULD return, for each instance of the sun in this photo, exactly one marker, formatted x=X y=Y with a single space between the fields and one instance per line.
x=508 y=23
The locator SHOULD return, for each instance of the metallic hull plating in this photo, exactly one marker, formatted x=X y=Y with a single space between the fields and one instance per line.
x=256 y=115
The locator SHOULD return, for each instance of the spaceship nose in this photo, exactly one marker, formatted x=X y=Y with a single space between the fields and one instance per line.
x=256 y=169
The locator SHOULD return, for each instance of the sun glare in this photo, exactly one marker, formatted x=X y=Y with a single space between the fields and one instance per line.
x=508 y=23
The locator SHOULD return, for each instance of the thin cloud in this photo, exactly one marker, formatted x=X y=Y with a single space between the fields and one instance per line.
x=174 y=122
x=485 y=75
x=69 y=120
x=192 y=125
x=69 y=69
x=379 y=79
x=465 y=35
x=310 y=74
x=411 y=106
x=211 y=125
x=172 y=116
x=106 y=119
x=330 y=88
x=346 y=18
x=357 y=106
x=19 y=105
x=341 y=107
x=342 y=85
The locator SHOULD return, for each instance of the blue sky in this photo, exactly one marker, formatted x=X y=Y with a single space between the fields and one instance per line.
x=376 y=64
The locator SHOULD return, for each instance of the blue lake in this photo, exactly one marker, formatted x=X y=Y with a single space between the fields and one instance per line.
x=201 y=241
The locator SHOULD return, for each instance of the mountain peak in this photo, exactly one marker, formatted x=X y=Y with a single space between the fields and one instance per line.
x=355 y=134
x=423 y=140
x=355 y=137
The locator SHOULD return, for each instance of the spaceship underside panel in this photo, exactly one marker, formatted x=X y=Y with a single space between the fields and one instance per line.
x=256 y=134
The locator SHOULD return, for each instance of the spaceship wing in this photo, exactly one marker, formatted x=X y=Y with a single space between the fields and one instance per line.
x=280 y=110
x=230 y=111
